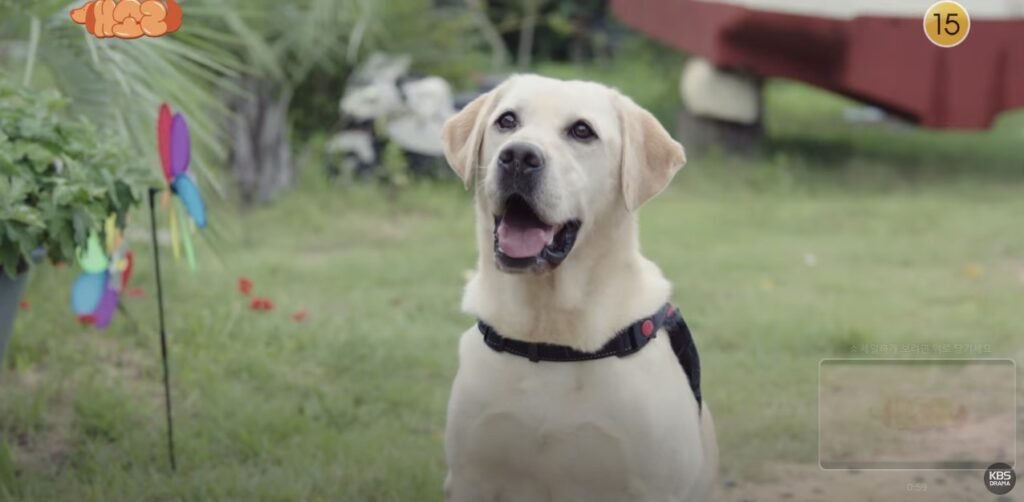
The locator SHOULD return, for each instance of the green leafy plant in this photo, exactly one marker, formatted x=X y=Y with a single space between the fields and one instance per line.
x=60 y=178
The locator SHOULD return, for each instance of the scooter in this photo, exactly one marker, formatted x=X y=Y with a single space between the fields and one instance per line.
x=384 y=103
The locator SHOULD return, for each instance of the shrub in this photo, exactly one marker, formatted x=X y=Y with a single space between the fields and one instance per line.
x=60 y=178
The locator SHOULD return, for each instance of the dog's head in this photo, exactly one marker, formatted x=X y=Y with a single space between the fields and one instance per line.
x=552 y=160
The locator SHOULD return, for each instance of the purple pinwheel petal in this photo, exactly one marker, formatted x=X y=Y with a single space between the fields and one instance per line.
x=105 y=312
x=181 y=146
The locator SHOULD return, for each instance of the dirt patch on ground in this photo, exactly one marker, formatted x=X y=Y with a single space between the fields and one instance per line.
x=810 y=483
x=48 y=445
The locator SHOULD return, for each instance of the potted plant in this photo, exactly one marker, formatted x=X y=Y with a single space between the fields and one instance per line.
x=60 y=178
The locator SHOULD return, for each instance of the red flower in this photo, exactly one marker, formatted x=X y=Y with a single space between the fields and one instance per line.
x=261 y=304
x=86 y=319
x=245 y=285
x=24 y=305
x=135 y=293
x=300 y=316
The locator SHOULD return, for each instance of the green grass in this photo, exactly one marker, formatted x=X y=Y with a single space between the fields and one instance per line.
x=840 y=236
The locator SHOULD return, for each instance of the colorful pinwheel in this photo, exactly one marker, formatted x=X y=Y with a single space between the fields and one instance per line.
x=175 y=154
x=105 y=273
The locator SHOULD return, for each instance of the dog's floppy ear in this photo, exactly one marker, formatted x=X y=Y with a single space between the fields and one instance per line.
x=463 y=135
x=650 y=157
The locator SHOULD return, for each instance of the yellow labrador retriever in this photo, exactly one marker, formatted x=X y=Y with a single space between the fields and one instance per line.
x=569 y=388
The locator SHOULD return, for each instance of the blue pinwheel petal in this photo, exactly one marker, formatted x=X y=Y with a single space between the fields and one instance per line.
x=189 y=195
x=87 y=292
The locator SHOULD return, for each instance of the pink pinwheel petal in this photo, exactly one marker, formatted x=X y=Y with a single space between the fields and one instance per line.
x=163 y=138
x=127 y=274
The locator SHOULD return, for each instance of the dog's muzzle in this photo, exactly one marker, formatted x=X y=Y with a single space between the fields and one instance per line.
x=523 y=242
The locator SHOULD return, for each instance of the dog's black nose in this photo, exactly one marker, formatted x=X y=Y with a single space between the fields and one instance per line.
x=520 y=159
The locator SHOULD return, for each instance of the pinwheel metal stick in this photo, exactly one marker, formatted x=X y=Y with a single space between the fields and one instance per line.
x=163 y=331
x=175 y=148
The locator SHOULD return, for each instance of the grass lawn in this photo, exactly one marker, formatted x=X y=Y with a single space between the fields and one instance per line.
x=807 y=253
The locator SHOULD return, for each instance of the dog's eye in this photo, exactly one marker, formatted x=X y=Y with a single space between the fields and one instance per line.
x=507 y=121
x=582 y=131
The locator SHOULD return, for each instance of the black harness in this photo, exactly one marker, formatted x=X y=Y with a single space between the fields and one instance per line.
x=626 y=342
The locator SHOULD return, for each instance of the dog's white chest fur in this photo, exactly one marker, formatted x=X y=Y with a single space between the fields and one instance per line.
x=612 y=429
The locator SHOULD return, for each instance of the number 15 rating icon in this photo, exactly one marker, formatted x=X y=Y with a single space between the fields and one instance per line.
x=947 y=23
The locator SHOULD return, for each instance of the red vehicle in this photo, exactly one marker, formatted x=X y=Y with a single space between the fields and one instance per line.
x=870 y=50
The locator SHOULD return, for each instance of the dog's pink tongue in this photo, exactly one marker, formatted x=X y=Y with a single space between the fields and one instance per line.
x=523 y=242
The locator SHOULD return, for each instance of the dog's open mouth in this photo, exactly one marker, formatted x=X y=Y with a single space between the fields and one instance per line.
x=523 y=241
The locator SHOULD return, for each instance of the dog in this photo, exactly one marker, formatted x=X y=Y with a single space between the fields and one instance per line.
x=558 y=169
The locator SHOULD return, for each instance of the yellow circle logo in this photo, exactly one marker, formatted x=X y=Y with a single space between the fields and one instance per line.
x=946 y=23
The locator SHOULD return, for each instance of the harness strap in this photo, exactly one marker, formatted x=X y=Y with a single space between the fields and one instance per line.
x=685 y=349
x=626 y=342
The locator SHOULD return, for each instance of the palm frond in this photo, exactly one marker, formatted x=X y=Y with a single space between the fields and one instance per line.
x=119 y=84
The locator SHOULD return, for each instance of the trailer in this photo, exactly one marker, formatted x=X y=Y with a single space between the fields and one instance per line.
x=874 y=51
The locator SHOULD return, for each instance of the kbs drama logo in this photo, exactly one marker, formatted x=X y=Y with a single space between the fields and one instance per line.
x=1000 y=478
x=129 y=19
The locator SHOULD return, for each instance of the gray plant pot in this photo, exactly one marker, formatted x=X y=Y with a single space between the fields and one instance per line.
x=10 y=294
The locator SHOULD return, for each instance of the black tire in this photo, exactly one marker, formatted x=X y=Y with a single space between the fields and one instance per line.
x=702 y=135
